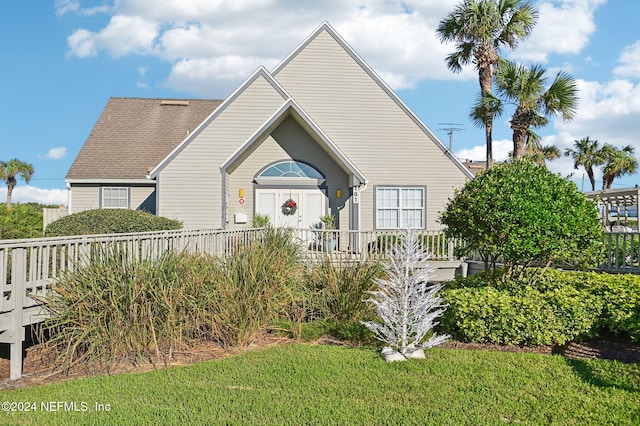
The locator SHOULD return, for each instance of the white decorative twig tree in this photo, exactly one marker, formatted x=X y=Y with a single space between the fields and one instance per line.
x=406 y=302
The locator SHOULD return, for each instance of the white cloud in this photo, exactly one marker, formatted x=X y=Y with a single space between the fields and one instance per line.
x=204 y=37
x=56 y=153
x=607 y=111
x=630 y=62
x=32 y=194
x=82 y=43
x=564 y=26
x=501 y=150
x=62 y=7
x=210 y=77
x=123 y=35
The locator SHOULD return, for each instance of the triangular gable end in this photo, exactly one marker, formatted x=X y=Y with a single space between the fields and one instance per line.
x=260 y=72
x=326 y=27
x=290 y=107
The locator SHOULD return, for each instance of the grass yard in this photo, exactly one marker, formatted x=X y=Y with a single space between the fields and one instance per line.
x=315 y=384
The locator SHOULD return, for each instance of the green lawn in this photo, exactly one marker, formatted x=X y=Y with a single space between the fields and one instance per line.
x=310 y=384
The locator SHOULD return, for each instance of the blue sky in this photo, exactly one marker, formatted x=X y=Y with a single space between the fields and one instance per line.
x=63 y=59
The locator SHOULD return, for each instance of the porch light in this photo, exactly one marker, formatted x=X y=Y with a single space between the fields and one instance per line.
x=241 y=193
x=338 y=193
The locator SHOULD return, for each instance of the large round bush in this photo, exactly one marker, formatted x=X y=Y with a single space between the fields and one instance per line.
x=109 y=221
x=522 y=214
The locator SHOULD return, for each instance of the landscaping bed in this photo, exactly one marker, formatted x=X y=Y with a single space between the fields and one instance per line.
x=37 y=365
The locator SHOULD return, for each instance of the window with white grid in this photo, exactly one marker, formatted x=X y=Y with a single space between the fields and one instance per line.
x=400 y=207
x=115 y=198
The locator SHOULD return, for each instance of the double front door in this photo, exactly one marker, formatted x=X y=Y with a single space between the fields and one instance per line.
x=311 y=204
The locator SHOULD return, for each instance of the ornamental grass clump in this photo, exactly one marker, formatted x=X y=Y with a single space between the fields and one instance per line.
x=407 y=303
x=340 y=286
x=256 y=285
x=114 y=308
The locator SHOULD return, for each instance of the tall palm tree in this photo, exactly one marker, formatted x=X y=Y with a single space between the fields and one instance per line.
x=619 y=162
x=587 y=153
x=525 y=87
x=8 y=172
x=479 y=28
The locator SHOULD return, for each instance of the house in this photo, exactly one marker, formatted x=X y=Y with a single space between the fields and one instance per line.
x=321 y=129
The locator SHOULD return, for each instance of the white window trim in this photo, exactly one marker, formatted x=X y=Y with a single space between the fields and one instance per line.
x=400 y=207
x=102 y=198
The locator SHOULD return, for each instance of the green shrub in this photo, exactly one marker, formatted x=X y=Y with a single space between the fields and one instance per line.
x=526 y=317
x=620 y=295
x=109 y=221
x=260 y=220
x=524 y=214
x=578 y=304
x=24 y=220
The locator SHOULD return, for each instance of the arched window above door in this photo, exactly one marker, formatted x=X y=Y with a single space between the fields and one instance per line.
x=291 y=169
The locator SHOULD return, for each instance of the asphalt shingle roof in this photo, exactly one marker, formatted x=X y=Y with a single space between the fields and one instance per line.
x=132 y=135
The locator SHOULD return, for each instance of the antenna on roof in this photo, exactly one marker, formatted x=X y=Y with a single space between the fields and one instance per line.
x=450 y=129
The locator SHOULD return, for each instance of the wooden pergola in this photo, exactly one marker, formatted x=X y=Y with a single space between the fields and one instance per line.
x=614 y=206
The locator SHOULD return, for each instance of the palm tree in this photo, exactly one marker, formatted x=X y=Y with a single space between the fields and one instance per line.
x=524 y=86
x=619 y=162
x=540 y=154
x=8 y=172
x=479 y=28
x=586 y=153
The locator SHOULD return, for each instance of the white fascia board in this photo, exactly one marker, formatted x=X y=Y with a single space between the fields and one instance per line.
x=148 y=182
x=325 y=26
x=260 y=72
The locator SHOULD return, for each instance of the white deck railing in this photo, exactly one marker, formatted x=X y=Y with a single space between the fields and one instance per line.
x=622 y=250
x=360 y=245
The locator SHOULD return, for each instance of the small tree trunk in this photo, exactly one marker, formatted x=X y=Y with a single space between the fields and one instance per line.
x=592 y=178
x=519 y=139
x=9 y=192
x=489 y=142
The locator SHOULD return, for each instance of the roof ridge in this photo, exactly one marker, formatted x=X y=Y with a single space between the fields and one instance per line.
x=164 y=98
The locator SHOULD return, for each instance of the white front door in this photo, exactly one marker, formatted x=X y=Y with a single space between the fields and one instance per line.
x=311 y=205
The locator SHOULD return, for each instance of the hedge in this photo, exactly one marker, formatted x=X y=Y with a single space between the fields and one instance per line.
x=559 y=307
x=109 y=221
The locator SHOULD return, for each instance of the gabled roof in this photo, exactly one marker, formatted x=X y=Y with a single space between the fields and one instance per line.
x=291 y=108
x=326 y=27
x=132 y=135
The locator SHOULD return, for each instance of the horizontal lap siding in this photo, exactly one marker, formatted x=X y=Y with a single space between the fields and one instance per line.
x=377 y=135
x=84 y=197
x=191 y=184
x=143 y=198
x=87 y=196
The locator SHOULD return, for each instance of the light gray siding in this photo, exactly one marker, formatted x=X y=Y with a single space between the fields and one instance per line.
x=84 y=197
x=369 y=126
x=191 y=184
x=88 y=196
x=143 y=198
